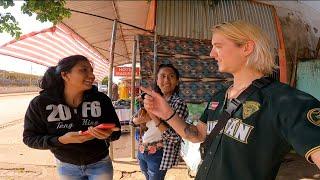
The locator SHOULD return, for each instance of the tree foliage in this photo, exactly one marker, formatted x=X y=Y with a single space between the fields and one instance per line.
x=105 y=80
x=45 y=10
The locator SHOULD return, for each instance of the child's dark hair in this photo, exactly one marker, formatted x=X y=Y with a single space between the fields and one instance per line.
x=52 y=80
x=176 y=72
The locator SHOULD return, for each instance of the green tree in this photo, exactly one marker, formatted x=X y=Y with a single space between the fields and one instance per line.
x=45 y=10
x=105 y=80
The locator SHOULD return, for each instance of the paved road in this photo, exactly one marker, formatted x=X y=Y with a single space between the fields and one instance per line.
x=14 y=106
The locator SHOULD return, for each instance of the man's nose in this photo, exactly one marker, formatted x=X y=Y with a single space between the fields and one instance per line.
x=213 y=53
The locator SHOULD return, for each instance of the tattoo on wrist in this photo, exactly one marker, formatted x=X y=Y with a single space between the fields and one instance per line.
x=191 y=131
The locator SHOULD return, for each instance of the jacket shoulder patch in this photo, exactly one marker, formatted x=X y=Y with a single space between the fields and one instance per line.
x=313 y=116
x=250 y=107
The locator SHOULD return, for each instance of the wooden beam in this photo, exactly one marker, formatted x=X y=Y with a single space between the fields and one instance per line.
x=120 y=27
x=133 y=96
x=151 y=19
x=111 y=60
x=317 y=54
x=281 y=49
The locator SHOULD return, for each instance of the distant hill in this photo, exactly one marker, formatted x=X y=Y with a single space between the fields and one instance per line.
x=10 y=78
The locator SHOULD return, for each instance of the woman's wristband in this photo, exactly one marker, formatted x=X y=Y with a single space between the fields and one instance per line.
x=174 y=113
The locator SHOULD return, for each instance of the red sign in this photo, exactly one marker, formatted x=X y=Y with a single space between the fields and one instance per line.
x=125 y=71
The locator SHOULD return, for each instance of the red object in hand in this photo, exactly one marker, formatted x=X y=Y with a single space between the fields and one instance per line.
x=106 y=126
x=101 y=126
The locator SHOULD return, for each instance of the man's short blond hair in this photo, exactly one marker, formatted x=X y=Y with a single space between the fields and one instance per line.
x=240 y=32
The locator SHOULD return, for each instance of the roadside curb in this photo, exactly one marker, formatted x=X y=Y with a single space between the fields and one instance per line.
x=11 y=123
x=18 y=94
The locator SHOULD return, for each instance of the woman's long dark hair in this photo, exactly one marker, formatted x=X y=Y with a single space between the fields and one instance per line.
x=176 y=72
x=52 y=80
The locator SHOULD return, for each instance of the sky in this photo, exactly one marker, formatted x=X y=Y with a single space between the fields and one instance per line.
x=27 y=24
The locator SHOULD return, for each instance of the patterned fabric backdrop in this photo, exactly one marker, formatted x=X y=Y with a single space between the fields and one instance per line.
x=199 y=76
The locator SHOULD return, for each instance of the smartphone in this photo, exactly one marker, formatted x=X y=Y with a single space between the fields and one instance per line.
x=101 y=126
x=106 y=126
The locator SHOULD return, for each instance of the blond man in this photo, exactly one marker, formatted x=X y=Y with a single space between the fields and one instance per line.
x=271 y=120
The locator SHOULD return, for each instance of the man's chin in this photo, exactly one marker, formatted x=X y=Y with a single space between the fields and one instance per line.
x=221 y=70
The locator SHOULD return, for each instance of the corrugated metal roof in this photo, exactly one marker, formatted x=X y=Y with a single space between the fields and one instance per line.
x=194 y=19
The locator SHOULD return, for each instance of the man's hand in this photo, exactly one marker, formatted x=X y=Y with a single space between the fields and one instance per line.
x=316 y=158
x=156 y=104
x=153 y=117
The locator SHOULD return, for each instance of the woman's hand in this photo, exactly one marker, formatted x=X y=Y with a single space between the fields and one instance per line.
x=74 y=137
x=101 y=133
x=156 y=104
x=142 y=117
x=94 y=132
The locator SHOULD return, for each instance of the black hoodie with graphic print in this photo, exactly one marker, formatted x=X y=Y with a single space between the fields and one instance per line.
x=49 y=117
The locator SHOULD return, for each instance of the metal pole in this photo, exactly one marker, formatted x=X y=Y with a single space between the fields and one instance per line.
x=110 y=19
x=154 y=55
x=133 y=80
x=111 y=59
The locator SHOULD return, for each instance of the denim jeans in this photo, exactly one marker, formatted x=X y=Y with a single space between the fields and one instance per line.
x=101 y=170
x=150 y=164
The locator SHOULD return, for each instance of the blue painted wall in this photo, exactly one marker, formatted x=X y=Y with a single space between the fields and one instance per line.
x=308 y=77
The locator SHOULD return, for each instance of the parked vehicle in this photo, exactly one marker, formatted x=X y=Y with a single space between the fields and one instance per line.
x=103 y=88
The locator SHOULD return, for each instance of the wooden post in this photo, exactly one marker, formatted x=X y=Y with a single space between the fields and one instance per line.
x=281 y=50
x=133 y=80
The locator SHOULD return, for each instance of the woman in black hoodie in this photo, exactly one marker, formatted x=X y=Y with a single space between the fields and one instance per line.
x=69 y=105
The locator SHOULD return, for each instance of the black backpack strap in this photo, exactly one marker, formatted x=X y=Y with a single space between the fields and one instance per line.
x=234 y=105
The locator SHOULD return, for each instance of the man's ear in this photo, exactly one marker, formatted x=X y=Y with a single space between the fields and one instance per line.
x=248 y=48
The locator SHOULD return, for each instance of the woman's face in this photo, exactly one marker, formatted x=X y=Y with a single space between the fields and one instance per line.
x=229 y=55
x=167 y=80
x=80 y=76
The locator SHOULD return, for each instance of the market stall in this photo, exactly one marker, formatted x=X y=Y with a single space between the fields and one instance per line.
x=123 y=103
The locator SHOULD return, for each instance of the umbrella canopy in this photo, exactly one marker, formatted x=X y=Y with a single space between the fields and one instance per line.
x=48 y=46
x=88 y=32
x=93 y=21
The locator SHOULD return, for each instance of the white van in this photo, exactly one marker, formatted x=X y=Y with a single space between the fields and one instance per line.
x=103 y=88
